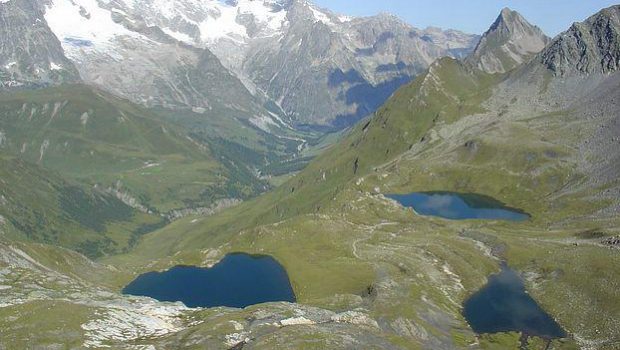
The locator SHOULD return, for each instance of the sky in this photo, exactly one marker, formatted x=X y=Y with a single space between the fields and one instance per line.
x=473 y=16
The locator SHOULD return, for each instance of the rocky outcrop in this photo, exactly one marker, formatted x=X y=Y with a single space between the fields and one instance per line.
x=589 y=47
x=509 y=42
x=127 y=198
x=612 y=241
x=205 y=211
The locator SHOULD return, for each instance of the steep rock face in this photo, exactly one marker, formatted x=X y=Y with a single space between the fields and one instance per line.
x=30 y=54
x=509 y=42
x=589 y=47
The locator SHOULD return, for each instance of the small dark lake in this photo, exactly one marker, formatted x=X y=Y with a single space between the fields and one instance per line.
x=503 y=305
x=457 y=206
x=239 y=280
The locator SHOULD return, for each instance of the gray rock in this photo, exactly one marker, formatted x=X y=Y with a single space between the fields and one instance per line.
x=592 y=46
x=509 y=42
x=30 y=54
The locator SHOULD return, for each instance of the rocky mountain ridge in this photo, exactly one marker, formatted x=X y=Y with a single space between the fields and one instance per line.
x=254 y=58
x=592 y=46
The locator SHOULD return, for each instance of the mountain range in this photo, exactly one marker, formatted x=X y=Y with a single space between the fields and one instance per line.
x=128 y=127
x=245 y=58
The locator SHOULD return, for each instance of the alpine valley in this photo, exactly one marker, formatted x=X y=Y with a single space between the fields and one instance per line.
x=196 y=136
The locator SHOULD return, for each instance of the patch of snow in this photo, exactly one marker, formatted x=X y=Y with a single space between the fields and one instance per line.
x=150 y=165
x=320 y=16
x=226 y=25
x=199 y=110
x=214 y=19
x=84 y=118
x=54 y=66
x=57 y=107
x=182 y=37
x=345 y=19
x=84 y=25
x=44 y=146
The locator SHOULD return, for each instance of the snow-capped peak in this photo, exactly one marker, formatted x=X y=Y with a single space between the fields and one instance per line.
x=86 y=23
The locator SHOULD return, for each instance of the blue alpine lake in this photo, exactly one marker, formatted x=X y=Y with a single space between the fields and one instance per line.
x=239 y=280
x=504 y=305
x=457 y=206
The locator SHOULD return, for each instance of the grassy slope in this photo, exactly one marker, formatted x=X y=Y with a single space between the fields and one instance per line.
x=88 y=138
x=420 y=140
x=234 y=136
x=312 y=192
x=313 y=189
x=39 y=205
x=94 y=137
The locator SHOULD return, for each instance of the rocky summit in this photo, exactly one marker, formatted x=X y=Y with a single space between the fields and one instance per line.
x=268 y=174
x=509 y=42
